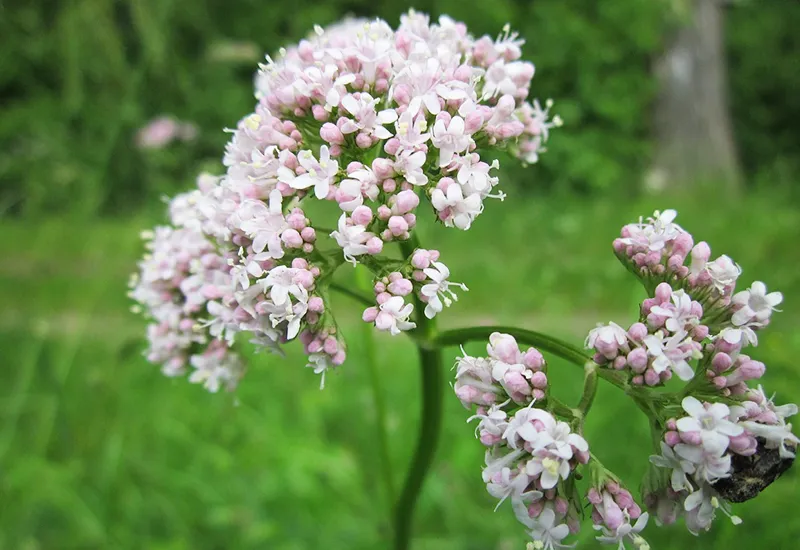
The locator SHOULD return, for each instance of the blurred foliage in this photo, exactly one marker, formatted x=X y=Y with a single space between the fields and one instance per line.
x=80 y=77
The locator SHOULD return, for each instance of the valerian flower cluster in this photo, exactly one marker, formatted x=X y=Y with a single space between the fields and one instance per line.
x=381 y=126
x=722 y=439
x=384 y=124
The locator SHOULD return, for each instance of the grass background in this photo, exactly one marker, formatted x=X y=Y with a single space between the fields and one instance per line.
x=98 y=450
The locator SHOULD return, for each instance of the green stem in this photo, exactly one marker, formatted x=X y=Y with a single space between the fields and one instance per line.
x=589 y=389
x=537 y=339
x=341 y=289
x=432 y=377
x=364 y=280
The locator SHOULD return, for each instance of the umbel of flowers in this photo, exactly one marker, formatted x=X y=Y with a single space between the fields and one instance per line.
x=720 y=438
x=385 y=124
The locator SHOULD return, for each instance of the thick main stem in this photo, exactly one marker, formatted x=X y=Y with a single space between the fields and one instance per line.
x=430 y=424
x=432 y=377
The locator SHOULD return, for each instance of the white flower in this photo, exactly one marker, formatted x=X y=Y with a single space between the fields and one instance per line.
x=450 y=139
x=352 y=239
x=321 y=363
x=776 y=436
x=473 y=174
x=723 y=272
x=409 y=164
x=438 y=290
x=611 y=334
x=412 y=131
x=393 y=316
x=319 y=174
x=460 y=211
x=655 y=235
x=626 y=530
x=679 y=467
x=709 y=465
x=366 y=119
x=668 y=353
x=679 y=314
x=494 y=422
x=755 y=304
x=547 y=532
x=744 y=335
x=264 y=224
x=712 y=423
x=506 y=483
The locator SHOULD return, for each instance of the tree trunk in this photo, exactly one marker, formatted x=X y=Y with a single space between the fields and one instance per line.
x=694 y=141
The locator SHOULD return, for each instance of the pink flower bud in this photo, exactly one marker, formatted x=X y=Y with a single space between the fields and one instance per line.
x=624 y=499
x=651 y=377
x=562 y=506
x=392 y=145
x=539 y=380
x=374 y=246
x=331 y=346
x=319 y=113
x=701 y=253
x=308 y=234
x=405 y=202
x=339 y=358
x=721 y=362
x=382 y=298
x=747 y=370
x=401 y=287
x=473 y=122
x=315 y=346
x=292 y=238
x=620 y=362
x=370 y=314
x=421 y=259
x=361 y=215
x=672 y=424
x=663 y=293
x=389 y=186
x=503 y=347
x=315 y=304
x=533 y=359
x=383 y=168
x=743 y=444
x=538 y=394
x=384 y=213
x=682 y=245
x=637 y=332
x=304 y=278
x=700 y=332
x=363 y=141
x=331 y=133
x=637 y=359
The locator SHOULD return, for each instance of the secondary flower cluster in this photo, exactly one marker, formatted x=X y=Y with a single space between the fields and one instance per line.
x=181 y=279
x=693 y=314
x=374 y=121
x=530 y=454
x=705 y=453
x=695 y=325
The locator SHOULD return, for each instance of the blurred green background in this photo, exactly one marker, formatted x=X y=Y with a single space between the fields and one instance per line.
x=98 y=450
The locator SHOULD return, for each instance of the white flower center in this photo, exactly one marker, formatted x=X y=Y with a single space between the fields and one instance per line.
x=708 y=422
